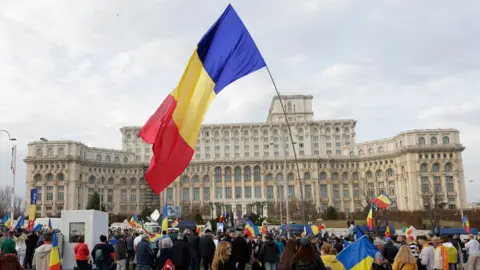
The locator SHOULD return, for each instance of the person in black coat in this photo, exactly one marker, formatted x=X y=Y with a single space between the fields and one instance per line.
x=180 y=254
x=194 y=247
x=269 y=253
x=32 y=240
x=389 y=250
x=240 y=251
x=207 y=249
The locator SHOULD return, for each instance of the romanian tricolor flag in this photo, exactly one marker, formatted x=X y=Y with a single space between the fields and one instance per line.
x=134 y=221
x=370 y=218
x=175 y=223
x=223 y=55
x=6 y=220
x=200 y=230
x=54 y=254
x=222 y=217
x=382 y=201
x=359 y=255
x=387 y=229
x=264 y=229
x=406 y=231
x=165 y=217
x=466 y=224
x=33 y=208
x=251 y=229
x=20 y=222
x=315 y=229
x=154 y=237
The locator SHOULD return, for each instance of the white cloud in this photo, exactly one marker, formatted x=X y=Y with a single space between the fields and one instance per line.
x=80 y=70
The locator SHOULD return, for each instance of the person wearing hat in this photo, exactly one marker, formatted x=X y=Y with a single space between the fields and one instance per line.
x=102 y=254
x=144 y=253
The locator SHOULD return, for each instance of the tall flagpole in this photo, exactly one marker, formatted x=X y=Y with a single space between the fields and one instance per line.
x=294 y=152
x=13 y=165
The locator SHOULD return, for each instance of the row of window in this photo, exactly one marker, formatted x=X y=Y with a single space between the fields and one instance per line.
x=265 y=132
x=435 y=167
x=433 y=140
x=49 y=193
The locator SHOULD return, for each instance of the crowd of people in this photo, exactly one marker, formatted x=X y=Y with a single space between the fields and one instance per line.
x=128 y=249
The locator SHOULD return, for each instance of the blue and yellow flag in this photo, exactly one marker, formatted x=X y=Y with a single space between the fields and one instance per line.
x=165 y=218
x=6 y=220
x=38 y=227
x=359 y=255
x=20 y=223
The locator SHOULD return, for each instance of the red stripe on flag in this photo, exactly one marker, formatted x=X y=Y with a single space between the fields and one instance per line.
x=171 y=152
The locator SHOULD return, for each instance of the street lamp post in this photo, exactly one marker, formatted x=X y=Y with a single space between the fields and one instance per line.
x=12 y=167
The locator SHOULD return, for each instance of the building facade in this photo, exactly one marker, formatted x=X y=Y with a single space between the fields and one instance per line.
x=245 y=167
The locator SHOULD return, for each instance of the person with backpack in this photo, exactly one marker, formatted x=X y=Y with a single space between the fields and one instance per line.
x=102 y=254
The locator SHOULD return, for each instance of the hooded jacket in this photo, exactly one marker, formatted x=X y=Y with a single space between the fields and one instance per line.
x=269 y=252
x=41 y=259
x=332 y=262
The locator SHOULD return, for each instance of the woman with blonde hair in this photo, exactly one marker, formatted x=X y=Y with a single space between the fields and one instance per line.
x=328 y=254
x=404 y=259
x=221 y=260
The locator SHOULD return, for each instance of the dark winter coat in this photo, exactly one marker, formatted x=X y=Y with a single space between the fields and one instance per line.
x=240 y=251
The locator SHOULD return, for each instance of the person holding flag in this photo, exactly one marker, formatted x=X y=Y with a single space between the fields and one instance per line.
x=41 y=258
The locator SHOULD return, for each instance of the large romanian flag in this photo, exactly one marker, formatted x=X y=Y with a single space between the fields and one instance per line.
x=382 y=201
x=54 y=254
x=359 y=255
x=225 y=54
x=251 y=229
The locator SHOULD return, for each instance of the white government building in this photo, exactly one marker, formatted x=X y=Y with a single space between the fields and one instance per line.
x=242 y=167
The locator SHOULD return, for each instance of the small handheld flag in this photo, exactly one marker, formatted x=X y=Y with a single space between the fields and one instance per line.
x=50 y=228
x=134 y=221
x=387 y=229
x=466 y=223
x=6 y=220
x=165 y=217
x=20 y=223
x=175 y=223
x=54 y=254
x=370 y=218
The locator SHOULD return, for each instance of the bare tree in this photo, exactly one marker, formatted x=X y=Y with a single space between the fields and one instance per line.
x=433 y=197
x=6 y=202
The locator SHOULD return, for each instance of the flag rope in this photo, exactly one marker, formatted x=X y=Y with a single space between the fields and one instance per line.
x=294 y=152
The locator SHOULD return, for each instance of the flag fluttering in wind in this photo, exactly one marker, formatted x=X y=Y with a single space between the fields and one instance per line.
x=134 y=221
x=382 y=201
x=359 y=255
x=6 y=220
x=251 y=229
x=315 y=229
x=38 y=227
x=370 y=218
x=387 y=229
x=165 y=218
x=466 y=223
x=358 y=233
x=33 y=208
x=225 y=54
x=20 y=223
x=175 y=223
x=54 y=254
x=407 y=230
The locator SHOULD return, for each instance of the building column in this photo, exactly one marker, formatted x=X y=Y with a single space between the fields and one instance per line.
x=44 y=196
x=138 y=200
x=316 y=194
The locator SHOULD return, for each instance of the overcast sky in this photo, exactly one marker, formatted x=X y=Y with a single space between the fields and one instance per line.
x=79 y=70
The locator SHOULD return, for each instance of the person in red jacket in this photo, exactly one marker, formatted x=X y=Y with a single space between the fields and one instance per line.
x=82 y=254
